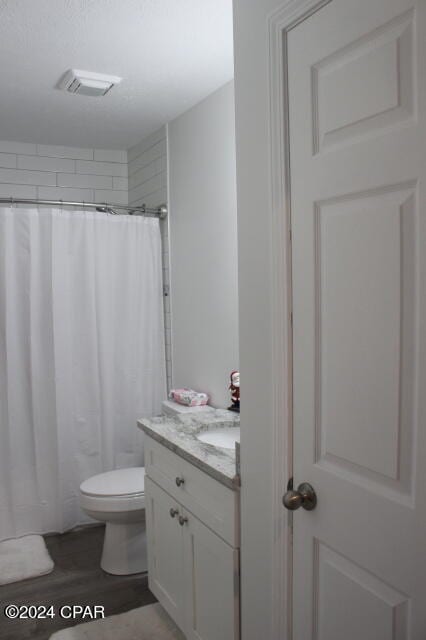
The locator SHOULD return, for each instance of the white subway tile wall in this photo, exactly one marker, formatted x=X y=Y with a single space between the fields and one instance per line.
x=8 y=160
x=101 y=168
x=40 y=163
x=74 y=153
x=62 y=173
x=148 y=185
x=112 y=155
x=18 y=147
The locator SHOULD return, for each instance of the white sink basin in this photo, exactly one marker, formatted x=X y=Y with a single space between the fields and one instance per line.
x=222 y=437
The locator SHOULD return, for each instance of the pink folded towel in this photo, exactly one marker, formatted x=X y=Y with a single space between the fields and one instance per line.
x=189 y=397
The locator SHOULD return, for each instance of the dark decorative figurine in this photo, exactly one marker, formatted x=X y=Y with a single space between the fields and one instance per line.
x=235 y=391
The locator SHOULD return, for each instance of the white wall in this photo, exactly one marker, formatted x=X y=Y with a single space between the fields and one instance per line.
x=203 y=246
x=148 y=185
x=62 y=173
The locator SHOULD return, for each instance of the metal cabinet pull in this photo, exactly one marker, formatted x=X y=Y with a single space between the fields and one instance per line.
x=180 y=481
x=173 y=512
x=183 y=520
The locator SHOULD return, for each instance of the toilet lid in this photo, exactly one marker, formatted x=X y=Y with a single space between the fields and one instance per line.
x=121 y=482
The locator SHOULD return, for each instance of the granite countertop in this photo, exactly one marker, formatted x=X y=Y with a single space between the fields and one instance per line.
x=178 y=433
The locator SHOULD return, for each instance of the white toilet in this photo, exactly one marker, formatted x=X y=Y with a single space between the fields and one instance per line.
x=118 y=499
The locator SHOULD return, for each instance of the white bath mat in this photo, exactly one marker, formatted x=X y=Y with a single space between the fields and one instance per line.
x=24 y=558
x=145 y=623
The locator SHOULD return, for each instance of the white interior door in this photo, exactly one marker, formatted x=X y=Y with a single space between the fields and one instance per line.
x=357 y=115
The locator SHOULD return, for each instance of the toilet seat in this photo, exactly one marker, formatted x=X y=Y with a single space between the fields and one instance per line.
x=121 y=482
x=119 y=490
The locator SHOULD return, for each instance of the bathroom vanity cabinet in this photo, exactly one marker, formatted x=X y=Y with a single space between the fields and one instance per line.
x=193 y=545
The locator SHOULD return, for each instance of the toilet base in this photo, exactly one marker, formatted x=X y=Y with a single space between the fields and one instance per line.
x=124 y=551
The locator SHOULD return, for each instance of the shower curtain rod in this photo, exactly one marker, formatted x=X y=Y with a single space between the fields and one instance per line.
x=103 y=207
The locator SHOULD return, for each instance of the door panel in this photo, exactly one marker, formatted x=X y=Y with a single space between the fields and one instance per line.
x=357 y=119
x=365 y=85
x=365 y=298
x=165 y=551
x=352 y=603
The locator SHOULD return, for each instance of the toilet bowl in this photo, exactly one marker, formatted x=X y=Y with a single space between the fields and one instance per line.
x=118 y=499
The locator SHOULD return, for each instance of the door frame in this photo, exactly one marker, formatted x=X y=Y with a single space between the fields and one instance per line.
x=280 y=22
x=260 y=32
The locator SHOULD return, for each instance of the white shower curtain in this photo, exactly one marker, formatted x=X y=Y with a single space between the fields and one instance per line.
x=81 y=356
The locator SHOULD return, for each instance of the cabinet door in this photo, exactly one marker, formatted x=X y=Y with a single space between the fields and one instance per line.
x=211 y=584
x=165 y=551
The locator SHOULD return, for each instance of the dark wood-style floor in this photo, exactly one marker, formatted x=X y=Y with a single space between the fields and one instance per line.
x=76 y=579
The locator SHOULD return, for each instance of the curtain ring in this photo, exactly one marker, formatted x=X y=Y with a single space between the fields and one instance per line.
x=62 y=205
x=11 y=202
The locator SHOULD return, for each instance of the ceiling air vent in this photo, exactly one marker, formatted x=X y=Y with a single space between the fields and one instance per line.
x=87 y=83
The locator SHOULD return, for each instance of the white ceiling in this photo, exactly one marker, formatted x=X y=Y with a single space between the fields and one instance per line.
x=170 y=53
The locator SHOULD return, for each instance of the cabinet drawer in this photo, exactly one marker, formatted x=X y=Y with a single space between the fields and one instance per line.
x=211 y=502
